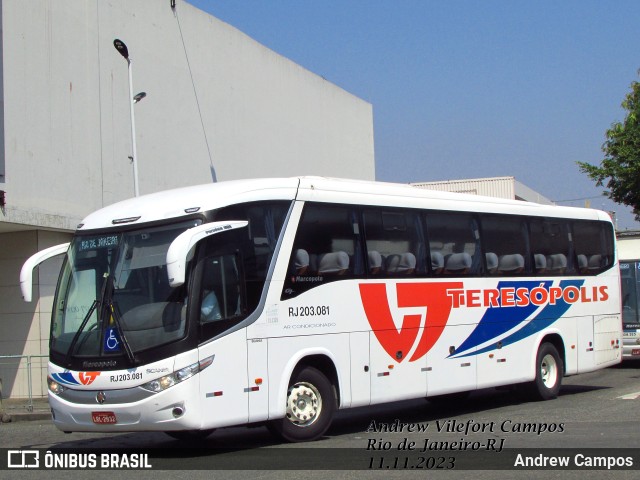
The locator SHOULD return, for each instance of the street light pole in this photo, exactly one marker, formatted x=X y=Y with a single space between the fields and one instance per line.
x=122 y=49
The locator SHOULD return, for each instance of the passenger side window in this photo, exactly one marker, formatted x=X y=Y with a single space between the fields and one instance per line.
x=593 y=247
x=454 y=244
x=505 y=245
x=550 y=247
x=326 y=248
x=395 y=243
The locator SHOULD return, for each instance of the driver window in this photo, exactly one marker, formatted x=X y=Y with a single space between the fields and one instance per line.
x=220 y=296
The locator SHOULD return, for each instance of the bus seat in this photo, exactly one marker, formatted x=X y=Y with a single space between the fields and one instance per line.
x=401 y=264
x=492 y=262
x=375 y=262
x=540 y=262
x=437 y=263
x=334 y=263
x=595 y=262
x=512 y=263
x=556 y=263
x=407 y=263
x=583 y=263
x=458 y=263
x=301 y=261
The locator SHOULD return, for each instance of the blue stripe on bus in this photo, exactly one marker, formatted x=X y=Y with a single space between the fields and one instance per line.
x=66 y=378
x=547 y=316
x=498 y=320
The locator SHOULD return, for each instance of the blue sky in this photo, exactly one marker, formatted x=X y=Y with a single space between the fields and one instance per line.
x=468 y=89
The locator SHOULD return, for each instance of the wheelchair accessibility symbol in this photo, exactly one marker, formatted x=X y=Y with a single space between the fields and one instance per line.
x=111 y=340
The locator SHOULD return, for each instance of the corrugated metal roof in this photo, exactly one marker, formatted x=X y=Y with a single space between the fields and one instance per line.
x=499 y=187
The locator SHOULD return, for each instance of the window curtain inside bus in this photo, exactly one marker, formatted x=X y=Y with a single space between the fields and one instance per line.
x=358 y=261
x=524 y=229
x=421 y=253
x=477 y=262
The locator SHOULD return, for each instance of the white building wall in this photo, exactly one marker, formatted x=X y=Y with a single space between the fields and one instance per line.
x=629 y=246
x=227 y=105
x=67 y=129
x=522 y=192
x=24 y=327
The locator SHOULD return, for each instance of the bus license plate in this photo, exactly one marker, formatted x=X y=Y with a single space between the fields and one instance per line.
x=635 y=351
x=103 y=418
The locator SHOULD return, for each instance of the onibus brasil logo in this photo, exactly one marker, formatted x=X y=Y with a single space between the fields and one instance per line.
x=522 y=308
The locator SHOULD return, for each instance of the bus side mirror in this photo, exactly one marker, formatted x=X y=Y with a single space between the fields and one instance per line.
x=26 y=274
x=182 y=248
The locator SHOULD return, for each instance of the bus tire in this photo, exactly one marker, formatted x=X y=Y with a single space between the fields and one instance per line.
x=190 y=435
x=549 y=370
x=310 y=405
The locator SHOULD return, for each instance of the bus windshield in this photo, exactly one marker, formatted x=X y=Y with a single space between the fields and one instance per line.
x=114 y=297
x=630 y=280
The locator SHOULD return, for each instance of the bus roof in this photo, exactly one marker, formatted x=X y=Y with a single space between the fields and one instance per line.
x=180 y=202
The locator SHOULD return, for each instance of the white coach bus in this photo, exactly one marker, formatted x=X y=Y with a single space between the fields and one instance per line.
x=279 y=301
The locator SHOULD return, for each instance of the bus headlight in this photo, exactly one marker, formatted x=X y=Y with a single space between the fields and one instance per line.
x=55 y=387
x=162 y=383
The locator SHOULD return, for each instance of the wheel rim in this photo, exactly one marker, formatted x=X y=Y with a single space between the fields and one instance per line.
x=304 y=404
x=549 y=371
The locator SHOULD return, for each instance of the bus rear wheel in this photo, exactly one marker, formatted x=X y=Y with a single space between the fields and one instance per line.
x=311 y=403
x=549 y=370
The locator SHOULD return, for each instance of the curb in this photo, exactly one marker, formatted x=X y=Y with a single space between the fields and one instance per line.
x=13 y=411
x=11 y=417
x=6 y=417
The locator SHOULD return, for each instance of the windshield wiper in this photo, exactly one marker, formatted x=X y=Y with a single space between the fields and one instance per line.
x=85 y=320
x=74 y=341
x=105 y=294
x=127 y=348
x=111 y=310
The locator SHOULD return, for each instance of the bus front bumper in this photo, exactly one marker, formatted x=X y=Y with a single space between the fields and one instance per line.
x=110 y=411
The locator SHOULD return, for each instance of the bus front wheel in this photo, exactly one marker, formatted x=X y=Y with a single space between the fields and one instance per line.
x=549 y=370
x=311 y=403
